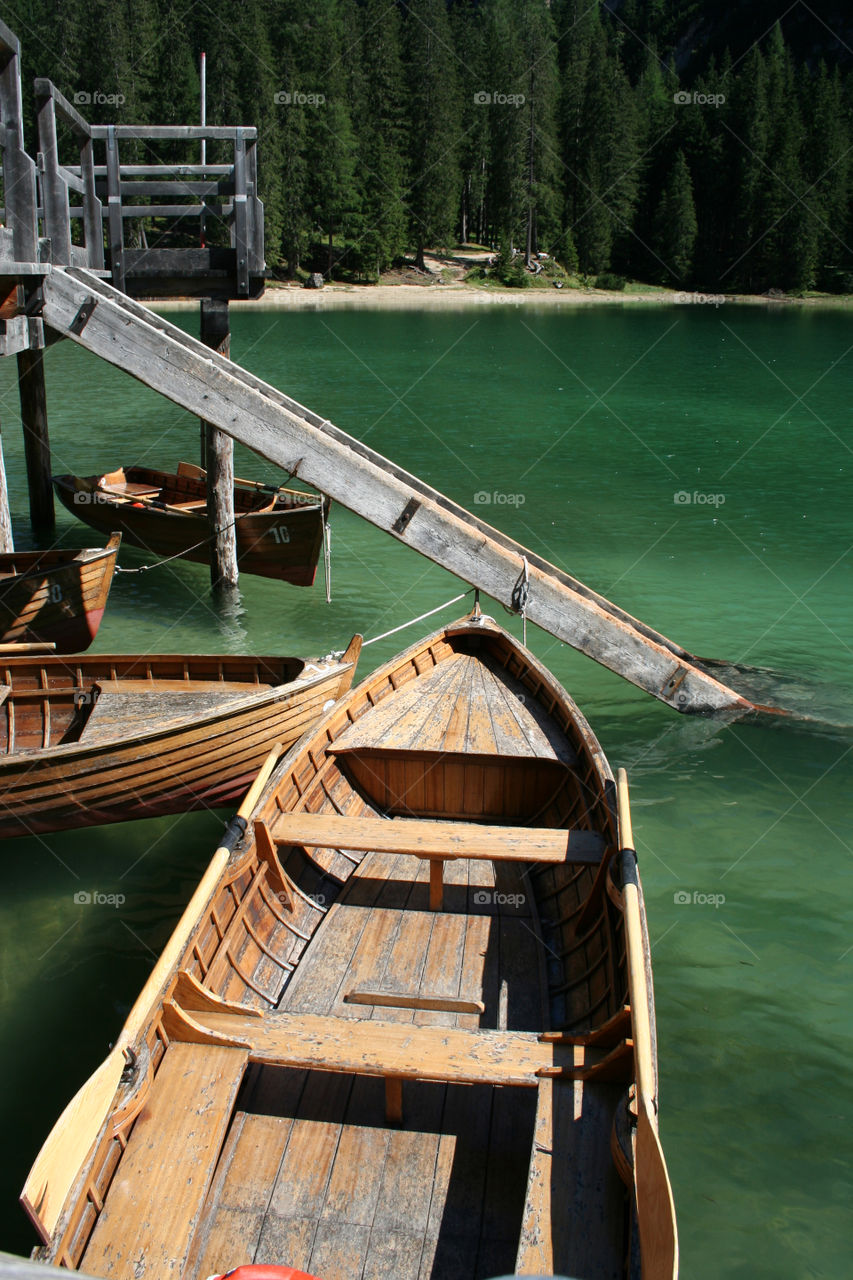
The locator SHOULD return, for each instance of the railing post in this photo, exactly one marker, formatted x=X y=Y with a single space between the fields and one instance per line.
x=116 y=228
x=93 y=226
x=19 y=171
x=54 y=192
x=239 y=236
x=256 y=211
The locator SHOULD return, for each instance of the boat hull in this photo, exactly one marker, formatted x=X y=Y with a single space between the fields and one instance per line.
x=282 y=543
x=55 y=597
x=151 y=753
x=363 y=1075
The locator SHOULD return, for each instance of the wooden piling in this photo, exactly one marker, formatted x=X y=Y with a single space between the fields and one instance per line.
x=218 y=459
x=33 y=395
x=6 y=543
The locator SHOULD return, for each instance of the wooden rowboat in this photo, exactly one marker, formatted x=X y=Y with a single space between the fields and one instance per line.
x=90 y=740
x=279 y=531
x=405 y=1026
x=56 y=597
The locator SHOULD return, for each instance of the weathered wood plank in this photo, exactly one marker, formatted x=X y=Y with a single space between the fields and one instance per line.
x=167 y=1167
x=373 y=1047
x=33 y=396
x=393 y=1000
x=427 y=839
x=284 y=432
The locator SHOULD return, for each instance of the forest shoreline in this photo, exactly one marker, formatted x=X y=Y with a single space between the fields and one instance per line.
x=448 y=297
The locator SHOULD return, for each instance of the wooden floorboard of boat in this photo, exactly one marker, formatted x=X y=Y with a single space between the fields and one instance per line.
x=353 y=1197
x=579 y=1233
x=462 y=705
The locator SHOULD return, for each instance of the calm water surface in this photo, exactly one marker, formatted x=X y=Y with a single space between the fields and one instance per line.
x=694 y=465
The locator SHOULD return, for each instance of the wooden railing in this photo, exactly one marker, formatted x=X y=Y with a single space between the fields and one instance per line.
x=189 y=195
x=72 y=208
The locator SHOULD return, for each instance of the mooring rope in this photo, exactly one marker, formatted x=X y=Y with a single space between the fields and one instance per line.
x=327 y=552
x=411 y=623
x=179 y=555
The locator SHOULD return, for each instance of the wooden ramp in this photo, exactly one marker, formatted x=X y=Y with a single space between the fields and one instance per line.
x=83 y=307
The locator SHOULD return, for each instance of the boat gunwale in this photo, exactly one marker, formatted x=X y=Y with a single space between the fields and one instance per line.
x=77 y=556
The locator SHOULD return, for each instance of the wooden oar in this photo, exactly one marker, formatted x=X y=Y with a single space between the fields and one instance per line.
x=34 y=646
x=655 y=1205
x=194 y=472
x=69 y=1142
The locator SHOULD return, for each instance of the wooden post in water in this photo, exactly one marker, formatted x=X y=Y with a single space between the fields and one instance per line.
x=31 y=389
x=218 y=459
x=6 y=543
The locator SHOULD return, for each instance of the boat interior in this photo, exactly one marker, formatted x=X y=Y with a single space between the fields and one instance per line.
x=46 y=703
x=186 y=491
x=17 y=564
x=410 y=1065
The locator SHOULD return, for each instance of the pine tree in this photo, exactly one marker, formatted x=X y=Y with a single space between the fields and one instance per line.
x=331 y=148
x=608 y=161
x=434 y=134
x=828 y=172
x=381 y=139
x=507 y=178
x=675 y=225
x=470 y=40
x=540 y=80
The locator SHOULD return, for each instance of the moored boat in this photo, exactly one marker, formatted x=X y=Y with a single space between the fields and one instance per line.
x=56 y=597
x=279 y=531
x=91 y=740
x=405 y=1027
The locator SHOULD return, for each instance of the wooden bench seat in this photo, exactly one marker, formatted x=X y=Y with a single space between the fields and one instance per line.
x=130 y=490
x=154 y=1206
x=392 y=1049
x=443 y=840
x=440 y=841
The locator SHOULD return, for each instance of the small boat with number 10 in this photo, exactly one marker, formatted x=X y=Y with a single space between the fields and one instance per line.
x=279 y=531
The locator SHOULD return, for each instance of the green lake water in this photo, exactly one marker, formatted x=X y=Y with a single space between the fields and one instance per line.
x=586 y=429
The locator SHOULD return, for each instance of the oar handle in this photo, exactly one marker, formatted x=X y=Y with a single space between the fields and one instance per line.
x=635 y=951
x=655 y=1207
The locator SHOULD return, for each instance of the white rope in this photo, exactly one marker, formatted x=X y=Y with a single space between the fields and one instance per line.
x=428 y=614
x=327 y=552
